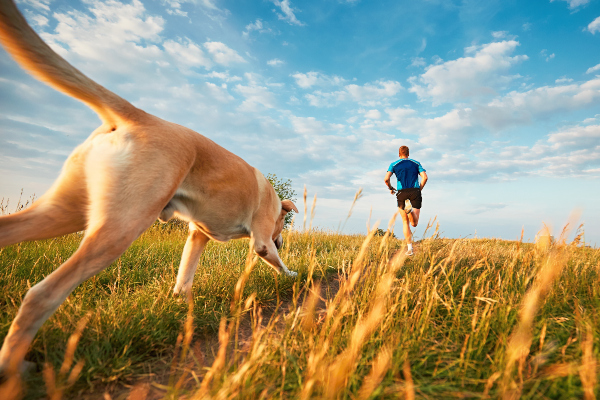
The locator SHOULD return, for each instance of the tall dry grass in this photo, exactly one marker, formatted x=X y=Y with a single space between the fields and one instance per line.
x=462 y=318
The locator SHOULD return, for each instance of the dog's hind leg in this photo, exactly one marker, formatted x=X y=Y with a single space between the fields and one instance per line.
x=195 y=244
x=44 y=219
x=101 y=245
x=62 y=209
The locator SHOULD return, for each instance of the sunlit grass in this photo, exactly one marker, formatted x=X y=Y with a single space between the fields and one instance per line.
x=471 y=317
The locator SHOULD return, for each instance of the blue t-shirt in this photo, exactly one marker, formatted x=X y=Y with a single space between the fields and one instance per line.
x=407 y=172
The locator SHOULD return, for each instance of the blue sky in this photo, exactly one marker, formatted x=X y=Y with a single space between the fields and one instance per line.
x=499 y=100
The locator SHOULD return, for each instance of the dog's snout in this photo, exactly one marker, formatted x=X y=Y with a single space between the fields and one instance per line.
x=278 y=242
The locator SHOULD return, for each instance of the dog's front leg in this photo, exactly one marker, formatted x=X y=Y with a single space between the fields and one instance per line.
x=195 y=244
x=267 y=250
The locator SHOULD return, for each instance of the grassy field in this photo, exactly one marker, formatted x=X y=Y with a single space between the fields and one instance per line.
x=480 y=318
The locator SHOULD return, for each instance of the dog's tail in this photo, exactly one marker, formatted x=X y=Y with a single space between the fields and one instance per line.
x=30 y=51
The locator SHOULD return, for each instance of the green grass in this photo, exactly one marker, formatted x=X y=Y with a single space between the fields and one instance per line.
x=437 y=325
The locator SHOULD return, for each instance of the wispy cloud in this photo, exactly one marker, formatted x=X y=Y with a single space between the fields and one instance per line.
x=275 y=62
x=208 y=6
x=257 y=26
x=187 y=54
x=574 y=3
x=594 y=26
x=546 y=56
x=287 y=12
x=593 y=69
x=312 y=78
x=373 y=93
x=222 y=54
x=480 y=73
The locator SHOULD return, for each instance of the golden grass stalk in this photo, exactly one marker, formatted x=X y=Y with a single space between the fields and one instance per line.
x=357 y=196
x=389 y=232
x=305 y=209
x=336 y=311
x=381 y=365
x=410 y=385
x=219 y=362
x=344 y=365
x=55 y=386
x=588 y=372
x=520 y=341
x=186 y=341
x=225 y=329
x=251 y=261
x=312 y=212
x=308 y=320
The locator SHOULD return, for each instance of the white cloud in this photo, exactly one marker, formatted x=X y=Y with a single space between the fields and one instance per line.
x=288 y=12
x=224 y=76
x=257 y=98
x=370 y=94
x=275 y=62
x=219 y=93
x=255 y=26
x=525 y=107
x=208 y=5
x=321 y=99
x=499 y=34
x=563 y=80
x=423 y=46
x=175 y=8
x=373 y=114
x=313 y=78
x=460 y=126
x=114 y=41
x=40 y=5
x=593 y=69
x=544 y=54
x=187 y=54
x=381 y=89
x=574 y=3
x=576 y=138
x=417 y=62
x=222 y=54
x=308 y=125
x=594 y=26
x=478 y=74
x=40 y=20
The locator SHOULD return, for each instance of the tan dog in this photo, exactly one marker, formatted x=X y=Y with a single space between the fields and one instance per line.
x=132 y=169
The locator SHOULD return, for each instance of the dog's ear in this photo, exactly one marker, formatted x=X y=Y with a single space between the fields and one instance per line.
x=288 y=206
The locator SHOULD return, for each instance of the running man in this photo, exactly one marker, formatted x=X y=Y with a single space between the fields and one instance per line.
x=407 y=173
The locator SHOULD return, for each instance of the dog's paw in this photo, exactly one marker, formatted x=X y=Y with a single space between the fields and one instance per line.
x=291 y=274
x=182 y=294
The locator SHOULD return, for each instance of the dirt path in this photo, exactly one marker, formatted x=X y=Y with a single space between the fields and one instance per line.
x=153 y=384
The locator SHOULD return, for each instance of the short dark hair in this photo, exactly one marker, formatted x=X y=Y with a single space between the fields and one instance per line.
x=403 y=151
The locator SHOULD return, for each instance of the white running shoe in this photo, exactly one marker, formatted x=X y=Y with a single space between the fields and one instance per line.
x=409 y=253
x=407 y=206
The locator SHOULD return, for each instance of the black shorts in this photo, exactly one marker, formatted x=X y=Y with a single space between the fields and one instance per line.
x=412 y=194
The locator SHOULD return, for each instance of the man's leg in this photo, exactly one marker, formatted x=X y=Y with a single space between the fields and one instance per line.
x=413 y=217
x=406 y=227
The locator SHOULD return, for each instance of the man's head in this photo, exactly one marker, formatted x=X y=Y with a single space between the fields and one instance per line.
x=403 y=152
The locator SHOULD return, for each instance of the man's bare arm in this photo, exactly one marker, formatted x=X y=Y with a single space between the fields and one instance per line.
x=423 y=179
x=387 y=182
